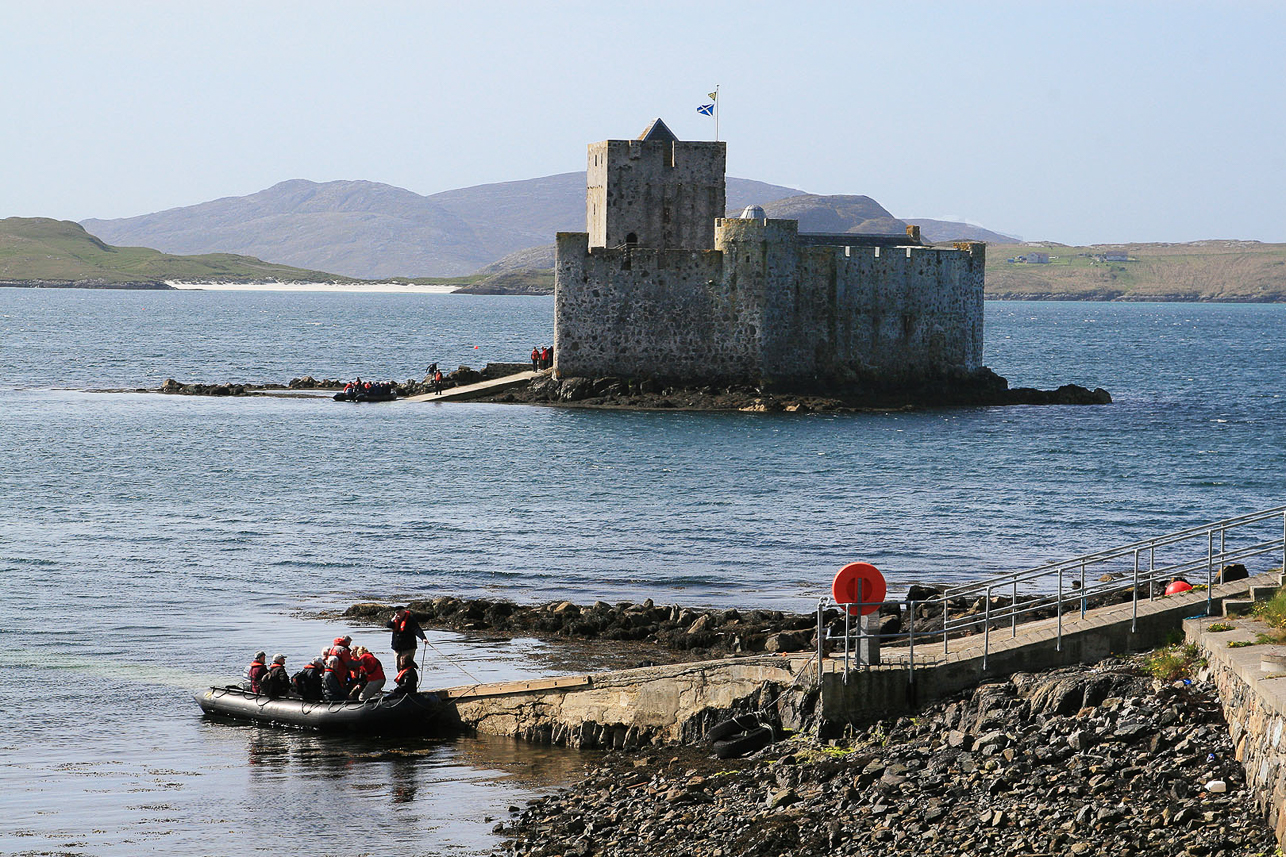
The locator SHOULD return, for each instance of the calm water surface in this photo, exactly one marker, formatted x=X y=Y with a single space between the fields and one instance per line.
x=150 y=543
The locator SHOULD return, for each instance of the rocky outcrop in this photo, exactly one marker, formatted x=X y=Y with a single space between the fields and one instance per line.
x=978 y=389
x=1083 y=761
x=673 y=632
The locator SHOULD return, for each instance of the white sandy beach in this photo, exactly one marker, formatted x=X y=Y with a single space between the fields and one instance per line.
x=382 y=288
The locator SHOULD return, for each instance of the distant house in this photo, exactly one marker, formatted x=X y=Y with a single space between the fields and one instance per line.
x=1116 y=256
x=1037 y=258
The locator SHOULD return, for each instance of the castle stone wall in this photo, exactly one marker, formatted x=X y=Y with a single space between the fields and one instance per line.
x=762 y=309
x=645 y=312
x=665 y=193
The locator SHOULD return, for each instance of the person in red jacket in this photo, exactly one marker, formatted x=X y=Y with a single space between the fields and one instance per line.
x=535 y=358
x=546 y=357
x=371 y=671
x=347 y=672
x=256 y=671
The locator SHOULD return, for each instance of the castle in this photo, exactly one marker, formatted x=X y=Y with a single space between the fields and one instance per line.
x=664 y=286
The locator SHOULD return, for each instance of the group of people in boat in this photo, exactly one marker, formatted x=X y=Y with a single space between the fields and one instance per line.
x=359 y=390
x=343 y=671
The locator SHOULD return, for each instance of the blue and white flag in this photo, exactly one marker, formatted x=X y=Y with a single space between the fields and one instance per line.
x=706 y=109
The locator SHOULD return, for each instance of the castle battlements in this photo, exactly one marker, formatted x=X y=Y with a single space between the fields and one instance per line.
x=663 y=285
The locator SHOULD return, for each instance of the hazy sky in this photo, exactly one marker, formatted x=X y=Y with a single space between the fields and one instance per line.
x=1076 y=122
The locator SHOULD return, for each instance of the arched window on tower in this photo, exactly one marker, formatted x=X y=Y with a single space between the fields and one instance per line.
x=632 y=240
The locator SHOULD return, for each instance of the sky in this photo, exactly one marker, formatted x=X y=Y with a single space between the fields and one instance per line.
x=1078 y=122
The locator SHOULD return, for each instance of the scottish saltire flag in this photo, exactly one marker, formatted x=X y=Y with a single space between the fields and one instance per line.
x=706 y=109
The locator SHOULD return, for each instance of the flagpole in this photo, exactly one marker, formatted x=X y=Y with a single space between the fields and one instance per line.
x=716 y=112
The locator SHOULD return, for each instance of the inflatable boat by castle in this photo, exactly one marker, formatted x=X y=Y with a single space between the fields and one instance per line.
x=409 y=713
x=388 y=395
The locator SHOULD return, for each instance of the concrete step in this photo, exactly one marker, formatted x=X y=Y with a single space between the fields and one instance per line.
x=1238 y=606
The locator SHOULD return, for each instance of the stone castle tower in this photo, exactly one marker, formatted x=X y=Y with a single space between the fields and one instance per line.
x=656 y=191
x=663 y=285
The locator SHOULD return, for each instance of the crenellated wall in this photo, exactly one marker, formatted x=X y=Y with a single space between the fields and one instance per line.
x=762 y=308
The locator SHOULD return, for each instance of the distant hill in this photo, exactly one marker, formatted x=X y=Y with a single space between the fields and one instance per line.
x=834 y=214
x=1197 y=271
x=814 y=213
x=377 y=231
x=943 y=231
x=39 y=251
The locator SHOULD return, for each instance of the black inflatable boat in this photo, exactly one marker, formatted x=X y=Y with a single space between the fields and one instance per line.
x=375 y=393
x=408 y=713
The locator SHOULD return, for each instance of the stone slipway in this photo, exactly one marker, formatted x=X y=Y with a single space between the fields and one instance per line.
x=476 y=391
x=679 y=702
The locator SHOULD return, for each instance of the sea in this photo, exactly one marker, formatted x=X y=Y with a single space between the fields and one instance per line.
x=150 y=544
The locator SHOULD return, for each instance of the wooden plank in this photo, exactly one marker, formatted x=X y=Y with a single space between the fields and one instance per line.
x=476 y=691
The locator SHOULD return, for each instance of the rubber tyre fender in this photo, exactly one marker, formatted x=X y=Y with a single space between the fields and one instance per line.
x=744 y=744
x=729 y=728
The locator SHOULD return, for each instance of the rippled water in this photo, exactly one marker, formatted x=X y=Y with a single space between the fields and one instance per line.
x=150 y=543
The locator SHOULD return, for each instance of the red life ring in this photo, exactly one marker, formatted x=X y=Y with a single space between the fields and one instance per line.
x=845 y=589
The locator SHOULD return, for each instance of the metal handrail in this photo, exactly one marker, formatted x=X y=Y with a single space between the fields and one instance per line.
x=1079 y=594
x=1120 y=551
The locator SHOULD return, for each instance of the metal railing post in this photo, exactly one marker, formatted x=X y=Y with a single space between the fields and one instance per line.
x=821 y=603
x=1134 y=618
x=986 y=630
x=1058 y=646
x=1152 y=570
x=848 y=628
x=1210 y=570
x=1013 y=612
x=946 y=637
x=910 y=636
x=1084 y=595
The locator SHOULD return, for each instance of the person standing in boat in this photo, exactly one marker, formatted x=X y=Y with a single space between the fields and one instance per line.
x=276 y=683
x=256 y=671
x=371 y=672
x=405 y=630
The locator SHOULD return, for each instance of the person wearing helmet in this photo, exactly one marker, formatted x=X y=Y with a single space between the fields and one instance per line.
x=256 y=671
x=308 y=681
x=405 y=631
x=333 y=682
x=372 y=674
x=276 y=683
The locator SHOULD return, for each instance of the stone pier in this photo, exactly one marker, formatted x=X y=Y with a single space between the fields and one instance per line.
x=679 y=702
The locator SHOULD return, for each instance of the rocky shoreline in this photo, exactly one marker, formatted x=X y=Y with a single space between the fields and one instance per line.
x=1082 y=761
x=978 y=389
x=672 y=633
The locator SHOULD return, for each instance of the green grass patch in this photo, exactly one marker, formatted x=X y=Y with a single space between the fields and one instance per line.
x=1220 y=626
x=1273 y=611
x=1241 y=644
x=1174 y=662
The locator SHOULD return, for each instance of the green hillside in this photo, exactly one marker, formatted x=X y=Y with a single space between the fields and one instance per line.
x=42 y=251
x=1196 y=271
